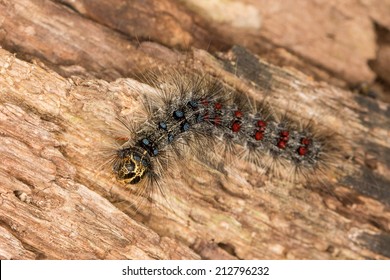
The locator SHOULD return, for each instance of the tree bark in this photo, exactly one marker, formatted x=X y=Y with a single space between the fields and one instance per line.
x=56 y=202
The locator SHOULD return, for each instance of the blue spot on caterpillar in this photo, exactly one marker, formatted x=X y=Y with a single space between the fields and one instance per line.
x=199 y=112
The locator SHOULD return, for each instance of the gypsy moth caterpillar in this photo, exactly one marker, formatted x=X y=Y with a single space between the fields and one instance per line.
x=192 y=116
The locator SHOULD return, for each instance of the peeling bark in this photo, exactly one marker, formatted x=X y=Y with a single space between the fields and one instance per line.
x=54 y=116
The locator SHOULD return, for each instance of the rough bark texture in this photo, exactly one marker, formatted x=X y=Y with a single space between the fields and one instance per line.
x=55 y=204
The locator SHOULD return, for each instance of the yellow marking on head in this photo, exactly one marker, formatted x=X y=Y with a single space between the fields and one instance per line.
x=132 y=169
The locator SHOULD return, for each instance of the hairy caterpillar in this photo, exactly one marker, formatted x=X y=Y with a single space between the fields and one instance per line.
x=194 y=116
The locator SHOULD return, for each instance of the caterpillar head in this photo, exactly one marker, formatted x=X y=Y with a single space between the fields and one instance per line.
x=131 y=165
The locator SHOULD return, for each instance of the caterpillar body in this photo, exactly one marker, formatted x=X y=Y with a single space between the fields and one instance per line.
x=194 y=115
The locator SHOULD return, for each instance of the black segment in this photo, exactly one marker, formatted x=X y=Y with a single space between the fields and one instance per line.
x=149 y=146
x=178 y=114
x=193 y=104
x=162 y=125
x=185 y=126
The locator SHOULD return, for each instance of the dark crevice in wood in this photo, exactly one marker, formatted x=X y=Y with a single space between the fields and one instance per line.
x=379 y=243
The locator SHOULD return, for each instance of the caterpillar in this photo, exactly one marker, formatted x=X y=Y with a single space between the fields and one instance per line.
x=193 y=116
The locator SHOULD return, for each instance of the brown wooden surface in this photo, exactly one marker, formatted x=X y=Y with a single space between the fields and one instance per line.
x=53 y=202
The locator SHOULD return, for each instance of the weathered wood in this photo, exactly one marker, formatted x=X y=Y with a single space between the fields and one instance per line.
x=56 y=204
x=337 y=41
x=45 y=211
x=52 y=198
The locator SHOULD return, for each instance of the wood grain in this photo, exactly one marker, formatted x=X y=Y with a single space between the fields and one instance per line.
x=55 y=113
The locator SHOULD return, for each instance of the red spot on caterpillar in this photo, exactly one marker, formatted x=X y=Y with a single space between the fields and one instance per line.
x=302 y=151
x=238 y=114
x=282 y=144
x=218 y=106
x=205 y=102
x=217 y=120
x=259 y=135
x=261 y=124
x=236 y=126
x=305 y=141
x=284 y=136
x=206 y=116
x=284 y=133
